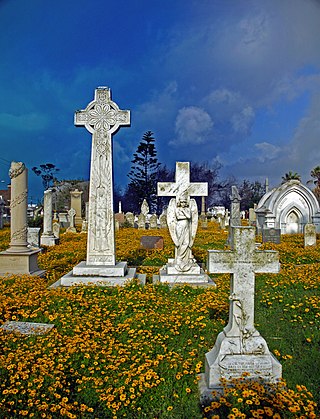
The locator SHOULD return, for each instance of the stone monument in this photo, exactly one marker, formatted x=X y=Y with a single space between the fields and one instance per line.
x=129 y=218
x=102 y=118
x=144 y=208
x=47 y=237
x=310 y=235
x=76 y=204
x=71 y=216
x=18 y=258
x=239 y=347
x=182 y=219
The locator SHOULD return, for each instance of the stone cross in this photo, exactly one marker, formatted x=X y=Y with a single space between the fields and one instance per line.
x=102 y=118
x=71 y=214
x=240 y=347
x=182 y=184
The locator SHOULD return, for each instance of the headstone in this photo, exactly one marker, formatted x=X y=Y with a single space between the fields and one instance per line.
x=153 y=221
x=76 y=204
x=271 y=235
x=63 y=219
x=120 y=217
x=27 y=328
x=55 y=216
x=116 y=225
x=47 y=237
x=102 y=117
x=310 y=235
x=182 y=218
x=18 y=258
x=252 y=217
x=141 y=221
x=239 y=347
x=2 y=205
x=129 y=218
x=151 y=242
x=84 y=226
x=163 y=220
x=144 y=208
x=56 y=230
x=33 y=237
x=71 y=215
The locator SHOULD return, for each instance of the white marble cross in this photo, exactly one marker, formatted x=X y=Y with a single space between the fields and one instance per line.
x=242 y=263
x=102 y=117
x=182 y=184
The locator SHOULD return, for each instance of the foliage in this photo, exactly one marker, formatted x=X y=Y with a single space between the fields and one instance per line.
x=143 y=174
x=46 y=172
x=136 y=351
x=315 y=174
x=250 y=193
x=290 y=176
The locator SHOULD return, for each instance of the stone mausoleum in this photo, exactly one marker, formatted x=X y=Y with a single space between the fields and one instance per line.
x=288 y=207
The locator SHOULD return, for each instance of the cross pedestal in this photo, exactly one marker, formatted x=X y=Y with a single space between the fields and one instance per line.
x=239 y=347
x=182 y=219
x=102 y=118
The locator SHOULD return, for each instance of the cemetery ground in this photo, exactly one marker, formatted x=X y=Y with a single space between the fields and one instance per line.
x=136 y=351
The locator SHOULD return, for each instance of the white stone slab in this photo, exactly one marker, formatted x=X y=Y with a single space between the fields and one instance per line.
x=82 y=269
x=27 y=328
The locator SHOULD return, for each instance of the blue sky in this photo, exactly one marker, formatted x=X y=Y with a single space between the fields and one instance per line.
x=232 y=80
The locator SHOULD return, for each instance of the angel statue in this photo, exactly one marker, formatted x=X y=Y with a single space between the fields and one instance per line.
x=182 y=218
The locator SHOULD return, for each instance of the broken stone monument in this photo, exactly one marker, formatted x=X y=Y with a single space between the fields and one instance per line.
x=47 y=237
x=182 y=219
x=102 y=118
x=19 y=258
x=240 y=348
x=33 y=237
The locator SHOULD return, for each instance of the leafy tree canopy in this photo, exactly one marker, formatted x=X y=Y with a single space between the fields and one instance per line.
x=46 y=172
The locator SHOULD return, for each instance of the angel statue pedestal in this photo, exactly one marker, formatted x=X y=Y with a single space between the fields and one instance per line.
x=182 y=219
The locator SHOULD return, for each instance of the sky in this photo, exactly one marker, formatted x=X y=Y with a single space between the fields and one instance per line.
x=233 y=81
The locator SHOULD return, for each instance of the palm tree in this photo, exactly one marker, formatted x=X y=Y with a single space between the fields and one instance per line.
x=290 y=176
x=315 y=174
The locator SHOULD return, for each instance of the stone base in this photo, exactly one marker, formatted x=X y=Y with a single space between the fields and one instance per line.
x=48 y=241
x=199 y=279
x=172 y=270
x=20 y=263
x=118 y=270
x=102 y=275
x=232 y=356
x=71 y=230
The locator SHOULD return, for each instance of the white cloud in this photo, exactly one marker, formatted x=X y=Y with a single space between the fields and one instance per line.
x=193 y=126
x=267 y=151
x=242 y=121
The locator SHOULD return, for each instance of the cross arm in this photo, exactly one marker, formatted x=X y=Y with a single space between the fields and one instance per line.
x=266 y=261
x=220 y=261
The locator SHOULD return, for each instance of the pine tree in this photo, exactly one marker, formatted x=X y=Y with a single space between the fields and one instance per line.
x=143 y=173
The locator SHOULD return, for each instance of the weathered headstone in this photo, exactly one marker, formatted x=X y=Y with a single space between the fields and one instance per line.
x=182 y=218
x=129 y=218
x=63 y=219
x=102 y=117
x=163 y=220
x=141 y=221
x=144 y=208
x=56 y=230
x=239 y=347
x=76 y=204
x=47 y=237
x=252 y=217
x=151 y=242
x=271 y=235
x=33 y=237
x=18 y=258
x=71 y=216
x=120 y=217
x=310 y=235
x=153 y=221
x=27 y=328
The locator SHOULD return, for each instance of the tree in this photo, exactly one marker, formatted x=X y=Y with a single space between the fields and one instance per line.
x=290 y=176
x=315 y=174
x=143 y=174
x=46 y=171
x=251 y=193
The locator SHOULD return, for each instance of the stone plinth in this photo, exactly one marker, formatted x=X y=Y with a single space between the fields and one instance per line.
x=47 y=237
x=20 y=263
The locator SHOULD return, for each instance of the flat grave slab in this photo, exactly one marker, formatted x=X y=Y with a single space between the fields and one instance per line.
x=27 y=328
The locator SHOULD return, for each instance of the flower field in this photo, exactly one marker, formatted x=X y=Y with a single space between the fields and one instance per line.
x=136 y=351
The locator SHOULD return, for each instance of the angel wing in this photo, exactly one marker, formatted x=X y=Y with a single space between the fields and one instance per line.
x=171 y=220
x=194 y=218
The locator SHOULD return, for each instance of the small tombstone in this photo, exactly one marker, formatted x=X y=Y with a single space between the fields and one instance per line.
x=153 y=221
x=33 y=237
x=204 y=221
x=120 y=217
x=141 y=221
x=129 y=218
x=271 y=235
x=151 y=242
x=63 y=219
x=71 y=214
x=27 y=328
x=163 y=220
x=56 y=229
x=84 y=226
x=116 y=225
x=310 y=235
